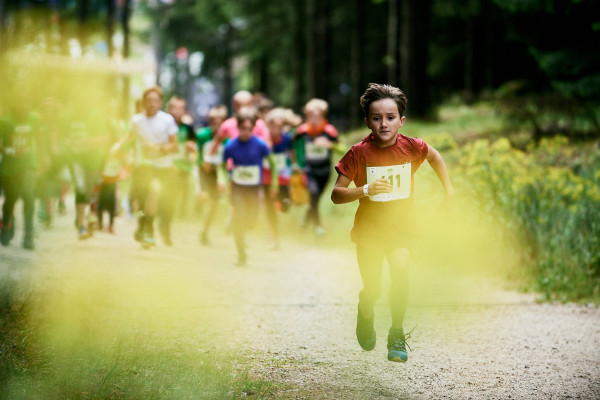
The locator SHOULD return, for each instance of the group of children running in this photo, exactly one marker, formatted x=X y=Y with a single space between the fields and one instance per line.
x=254 y=155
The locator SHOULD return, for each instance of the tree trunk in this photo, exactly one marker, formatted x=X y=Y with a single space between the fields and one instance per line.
x=392 y=42
x=311 y=39
x=300 y=47
x=110 y=25
x=125 y=13
x=469 y=58
x=322 y=50
x=2 y=26
x=357 y=63
x=82 y=16
x=263 y=74
x=414 y=55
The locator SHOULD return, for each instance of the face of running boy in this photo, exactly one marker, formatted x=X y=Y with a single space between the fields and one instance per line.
x=152 y=103
x=246 y=130
x=314 y=117
x=384 y=121
x=215 y=123
x=275 y=127
x=177 y=109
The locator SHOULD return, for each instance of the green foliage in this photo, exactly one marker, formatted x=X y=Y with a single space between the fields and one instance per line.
x=41 y=363
x=552 y=208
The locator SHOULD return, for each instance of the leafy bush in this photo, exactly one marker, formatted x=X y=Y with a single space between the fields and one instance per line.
x=549 y=196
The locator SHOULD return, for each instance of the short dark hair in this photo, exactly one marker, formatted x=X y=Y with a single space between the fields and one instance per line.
x=376 y=91
x=246 y=114
x=154 y=89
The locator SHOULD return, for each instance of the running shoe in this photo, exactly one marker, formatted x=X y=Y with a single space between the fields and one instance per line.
x=28 y=242
x=204 y=240
x=5 y=235
x=148 y=242
x=83 y=233
x=365 y=332
x=397 y=345
x=138 y=235
x=319 y=231
x=241 y=261
x=165 y=234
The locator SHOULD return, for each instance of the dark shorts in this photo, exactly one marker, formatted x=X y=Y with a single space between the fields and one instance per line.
x=142 y=177
x=208 y=183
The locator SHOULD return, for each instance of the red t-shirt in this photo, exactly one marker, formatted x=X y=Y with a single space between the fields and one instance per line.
x=382 y=224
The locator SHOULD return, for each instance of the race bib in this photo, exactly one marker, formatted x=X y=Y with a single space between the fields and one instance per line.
x=314 y=152
x=246 y=175
x=112 y=167
x=280 y=162
x=215 y=159
x=397 y=175
x=22 y=138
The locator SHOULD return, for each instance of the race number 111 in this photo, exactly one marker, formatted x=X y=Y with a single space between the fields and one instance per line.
x=399 y=176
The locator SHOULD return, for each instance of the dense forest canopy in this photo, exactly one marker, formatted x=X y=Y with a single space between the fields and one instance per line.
x=332 y=49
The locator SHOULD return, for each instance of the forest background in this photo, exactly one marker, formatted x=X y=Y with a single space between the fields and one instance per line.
x=526 y=73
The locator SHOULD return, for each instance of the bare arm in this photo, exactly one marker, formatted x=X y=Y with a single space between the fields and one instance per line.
x=437 y=163
x=343 y=194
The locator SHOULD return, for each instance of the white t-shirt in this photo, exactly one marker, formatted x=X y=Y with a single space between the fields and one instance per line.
x=157 y=129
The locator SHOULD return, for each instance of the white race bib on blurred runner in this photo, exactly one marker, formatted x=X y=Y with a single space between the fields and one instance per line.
x=246 y=175
x=215 y=159
x=397 y=175
x=314 y=152
x=280 y=162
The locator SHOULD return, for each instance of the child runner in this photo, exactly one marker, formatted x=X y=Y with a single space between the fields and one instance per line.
x=229 y=128
x=183 y=160
x=382 y=167
x=246 y=154
x=185 y=156
x=318 y=137
x=18 y=145
x=155 y=134
x=282 y=147
x=208 y=166
x=107 y=198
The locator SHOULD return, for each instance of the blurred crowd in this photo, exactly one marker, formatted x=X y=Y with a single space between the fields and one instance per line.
x=160 y=164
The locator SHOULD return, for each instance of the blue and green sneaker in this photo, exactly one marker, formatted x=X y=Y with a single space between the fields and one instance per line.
x=397 y=345
x=365 y=332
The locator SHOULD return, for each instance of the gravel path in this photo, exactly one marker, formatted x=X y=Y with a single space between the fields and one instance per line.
x=290 y=317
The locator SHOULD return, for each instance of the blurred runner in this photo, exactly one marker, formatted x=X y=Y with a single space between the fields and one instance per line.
x=184 y=161
x=282 y=151
x=246 y=154
x=18 y=171
x=229 y=128
x=317 y=138
x=208 y=166
x=155 y=135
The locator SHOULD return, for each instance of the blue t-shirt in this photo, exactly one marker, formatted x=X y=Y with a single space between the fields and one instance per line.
x=281 y=151
x=247 y=160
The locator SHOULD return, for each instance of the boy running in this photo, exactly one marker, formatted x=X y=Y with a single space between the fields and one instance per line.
x=18 y=172
x=318 y=138
x=284 y=158
x=155 y=134
x=208 y=166
x=246 y=153
x=382 y=167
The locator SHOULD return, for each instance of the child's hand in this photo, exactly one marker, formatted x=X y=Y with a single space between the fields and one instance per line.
x=380 y=186
x=322 y=141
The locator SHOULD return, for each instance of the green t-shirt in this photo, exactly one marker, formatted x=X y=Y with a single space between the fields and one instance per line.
x=18 y=139
x=184 y=134
x=204 y=141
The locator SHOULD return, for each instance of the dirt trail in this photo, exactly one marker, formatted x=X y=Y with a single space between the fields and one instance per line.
x=291 y=319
